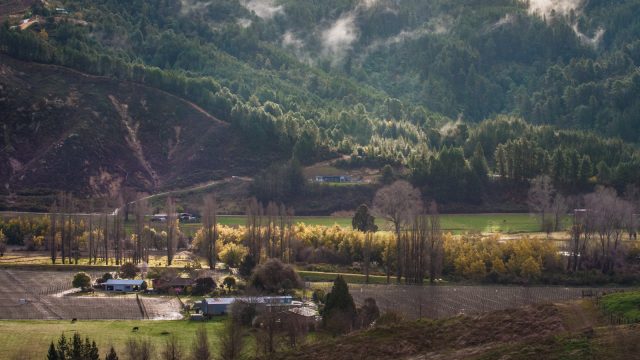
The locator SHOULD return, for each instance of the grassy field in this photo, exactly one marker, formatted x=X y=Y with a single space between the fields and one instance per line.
x=318 y=276
x=489 y=223
x=454 y=223
x=625 y=304
x=30 y=339
x=41 y=258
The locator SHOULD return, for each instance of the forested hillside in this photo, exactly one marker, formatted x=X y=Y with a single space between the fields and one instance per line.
x=452 y=94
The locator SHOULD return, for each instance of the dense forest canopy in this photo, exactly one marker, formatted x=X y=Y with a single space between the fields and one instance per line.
x=451 y=90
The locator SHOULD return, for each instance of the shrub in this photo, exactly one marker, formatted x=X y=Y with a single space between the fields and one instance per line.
x=247 y=265
x=229 y=282
x=274 y=277
x=81 y=280
x=318 y=296
x=232 y=254
x=389 y=318
x=204 y=286
x=368 y=313
x=105 y=277
x=128 y=270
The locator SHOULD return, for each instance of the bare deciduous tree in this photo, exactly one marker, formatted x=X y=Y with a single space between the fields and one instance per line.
x=231 y=339
x=397 y=203
x=540 y=196
x=210 y=223
x=171 y=349
x=266 y=336
x=53 y=246
x=139 y=349
x=201 y=349
x=366 y=254
x=141 y=207
x=559 y=208
x=608 y=217
x=253 y=229
x=435 y=246
x=171 y=229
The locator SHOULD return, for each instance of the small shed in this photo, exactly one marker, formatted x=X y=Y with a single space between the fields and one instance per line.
x=304 y=317
x=124 y=285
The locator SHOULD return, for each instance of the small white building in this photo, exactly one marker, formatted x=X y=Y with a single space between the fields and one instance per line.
x=124 y=285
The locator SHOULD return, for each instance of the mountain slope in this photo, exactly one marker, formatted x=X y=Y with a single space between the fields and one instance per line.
x=64 y=130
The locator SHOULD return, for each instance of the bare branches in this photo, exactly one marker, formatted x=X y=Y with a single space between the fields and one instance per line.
x=540 y=197
x=398 y=203
x=210 y=224
x=140 y=253
x=170 y=208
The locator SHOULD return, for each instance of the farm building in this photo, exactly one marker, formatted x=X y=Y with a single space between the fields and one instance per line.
x=123 y=285
x=219 y=306
x=216 y=306
x=334 y=179
x=159 y=218
x=306 y=317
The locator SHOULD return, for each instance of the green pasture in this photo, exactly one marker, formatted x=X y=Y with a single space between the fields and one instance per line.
x=508 y=223
x=625 y=304
x=30 y=339
x=318 y=276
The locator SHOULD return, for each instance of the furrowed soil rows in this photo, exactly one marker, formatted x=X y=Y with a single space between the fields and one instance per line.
x=444 y=301
x=48 y=295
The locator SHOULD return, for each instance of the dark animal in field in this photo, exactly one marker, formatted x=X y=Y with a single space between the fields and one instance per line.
x=135 y=329
x=74 y=320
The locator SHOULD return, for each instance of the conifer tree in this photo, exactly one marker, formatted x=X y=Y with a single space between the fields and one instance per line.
x=339 y=311
x=52 y=354
x=112 y=355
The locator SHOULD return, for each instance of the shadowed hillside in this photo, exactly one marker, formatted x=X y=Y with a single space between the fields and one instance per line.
x=65 y=130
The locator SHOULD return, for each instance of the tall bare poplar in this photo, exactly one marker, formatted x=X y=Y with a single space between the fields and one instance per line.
x=540 y=197
x=141 y=207
x=201 y=349
x=53 y=232
x=105 y=238
x=90 y=240
x=366 y=258
x=435 y=245
x=171 y=229
x=252 y=213
x=210 y=223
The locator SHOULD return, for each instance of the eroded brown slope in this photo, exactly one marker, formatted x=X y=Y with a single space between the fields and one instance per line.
x=64 y=130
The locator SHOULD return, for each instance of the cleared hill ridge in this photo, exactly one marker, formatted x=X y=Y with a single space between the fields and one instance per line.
x=66 y=130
